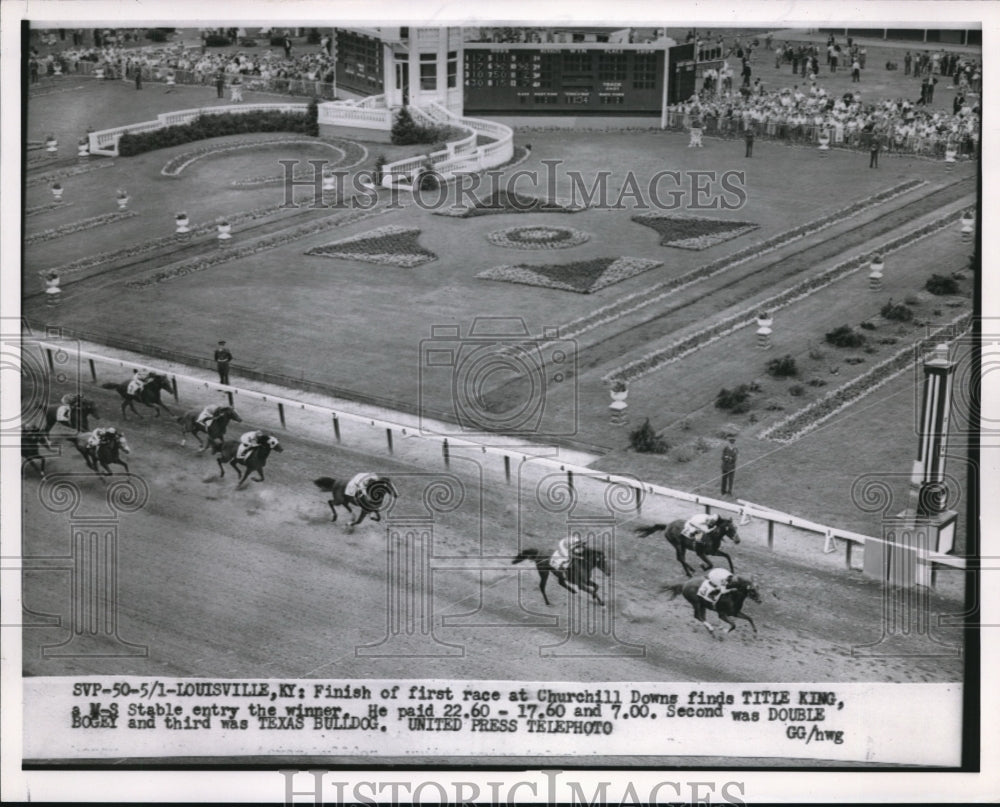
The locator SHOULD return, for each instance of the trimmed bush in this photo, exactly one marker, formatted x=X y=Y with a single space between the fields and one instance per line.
x=683 y=454
x=646 y=441
x=380 y=162
x=735 y=400
x=312 y=118
x=816 y=354
x=845 y=336
x=897 y=312
x=816 y=382
x=941 y=285
x=701 y=445
x=216 y=41
x=407 y=132
x=868 y=326
x=208 y=126
x=783 y=367
x=796 y=390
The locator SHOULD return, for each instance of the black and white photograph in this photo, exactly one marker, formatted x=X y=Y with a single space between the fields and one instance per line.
x=416 y=404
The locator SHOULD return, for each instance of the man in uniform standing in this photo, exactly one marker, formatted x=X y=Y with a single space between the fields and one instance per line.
x=222 y=359
x=748 y=138
x=729 y=454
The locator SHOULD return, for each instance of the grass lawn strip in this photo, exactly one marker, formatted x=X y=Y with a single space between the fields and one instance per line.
x=34 y=211
x=270 y=242
x=392 y=245
x=79 y=226
x=656 y=359
x=49 y=176
x=636 y=300
x=692 y=232
x=815 y=414
x=89 y=261
x=177 y=164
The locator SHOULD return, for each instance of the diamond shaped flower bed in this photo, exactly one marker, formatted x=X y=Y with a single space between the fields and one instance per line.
x=686 y=232
x=508 y=202
x=583 y=277
x=540 y=237
x=391 y=245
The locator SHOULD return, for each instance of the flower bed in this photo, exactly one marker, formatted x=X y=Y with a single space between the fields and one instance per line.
x=156 y=244
x=810 y=417
x=656 y=359
x=631 y=302
x=34 y=211
x=540 y=237
x=692 y=232
x=269 y=242
x=347 y=149
x=391 y=245
x=79 y=226
x=50 y=176
x=583 y=277
x=509 y=202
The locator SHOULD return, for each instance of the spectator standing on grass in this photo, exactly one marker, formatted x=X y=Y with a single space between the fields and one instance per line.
x=856 y=72
x=874 y=149
x=907 y=64
x=287 y=44
x=729 y=454
x=220 y=83
x=223 y=358
x=748 y=137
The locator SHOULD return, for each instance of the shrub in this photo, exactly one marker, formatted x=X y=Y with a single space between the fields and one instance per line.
x=380 y=162
x=735 y=400
x=941 y=284
x=845 y=336
x=684 y=425
x=312 y=118
x=897 y=312
x=407 y=132
x=854 y=360
x=683 y=454
x=207 y=126
x=216 y=41
x=646 y=441
x=889 y=340
x=911 y=299
x=783 y=367
x=277 y=41
x=158 y=34
x=796 y=390
x=728 y=430
x=314 y=38
x=701 y=445
x=816 y=354
x=816 y=382
x=774 y=406
x=868 y=326
x=869 y=349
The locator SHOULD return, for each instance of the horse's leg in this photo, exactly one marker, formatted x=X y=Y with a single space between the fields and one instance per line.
x=332 y=510
x=222 y=469
x=720 y=554
x=681 y=553
x=243 y=478
x=543 y=576
x=561 y=579
x=705 y=562
x=375 y=514
x=725 y=618
x=701 y=614
x=593 y=591
x=360 y=518
x=741 y=615
x=260 y=473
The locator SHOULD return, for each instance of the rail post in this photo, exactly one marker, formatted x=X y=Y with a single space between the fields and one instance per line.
x=336 y=426
x=52 y=364
x=445 y=452
x=93 y=372
x=281 y=415
x=569 y=479
x=770 y=534
x=229 y=395
x=173 y=383
x=506 y=467
x=388 y=438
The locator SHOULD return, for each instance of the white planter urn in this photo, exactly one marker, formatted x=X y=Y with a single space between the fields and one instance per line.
x=824 y=143
x=618 y=398
x=875 y=275
x=950 y=154
x=968 y=227
x=764 y=322
x=52 y=291
x=99 y=72
x=122 y=202
x=224 y=233
x=51 y=145
x=57 y=194
x=329 y=182
x=183 y=224
x=82 y=149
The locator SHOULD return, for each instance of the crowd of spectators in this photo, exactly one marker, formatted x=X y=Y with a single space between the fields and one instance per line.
x=310 y=72
x=805 y=113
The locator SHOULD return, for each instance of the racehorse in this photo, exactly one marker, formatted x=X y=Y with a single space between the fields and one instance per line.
x=78 y=412
x=728 y=605
x=216 y=427
x=107 y=452
x=255 y=460
x=374 y=498
x=708 y=545
x=576 y=574
x=32 y=442
x=149 y=394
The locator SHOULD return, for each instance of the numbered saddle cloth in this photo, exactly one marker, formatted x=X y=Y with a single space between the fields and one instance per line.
x=134 y=386
x=359 y=484
x=707 y=591
x=62 y=413
x=244 y=449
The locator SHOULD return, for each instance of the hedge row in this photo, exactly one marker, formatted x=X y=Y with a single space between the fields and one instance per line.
x=207 y=126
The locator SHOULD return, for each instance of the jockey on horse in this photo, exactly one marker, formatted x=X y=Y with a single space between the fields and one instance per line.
x=716 y=584
x=572 y=546
x=139 y=380
x=66 y=403
x=358 y=486
x=208 y=414
x=249 y=441
x=699 y=525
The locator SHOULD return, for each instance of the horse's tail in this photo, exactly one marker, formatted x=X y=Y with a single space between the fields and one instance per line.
x=525 y=554
x=643 y=532
x=325 y=483
x=673 y=588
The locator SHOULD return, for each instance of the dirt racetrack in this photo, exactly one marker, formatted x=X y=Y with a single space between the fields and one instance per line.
x=258 y=582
